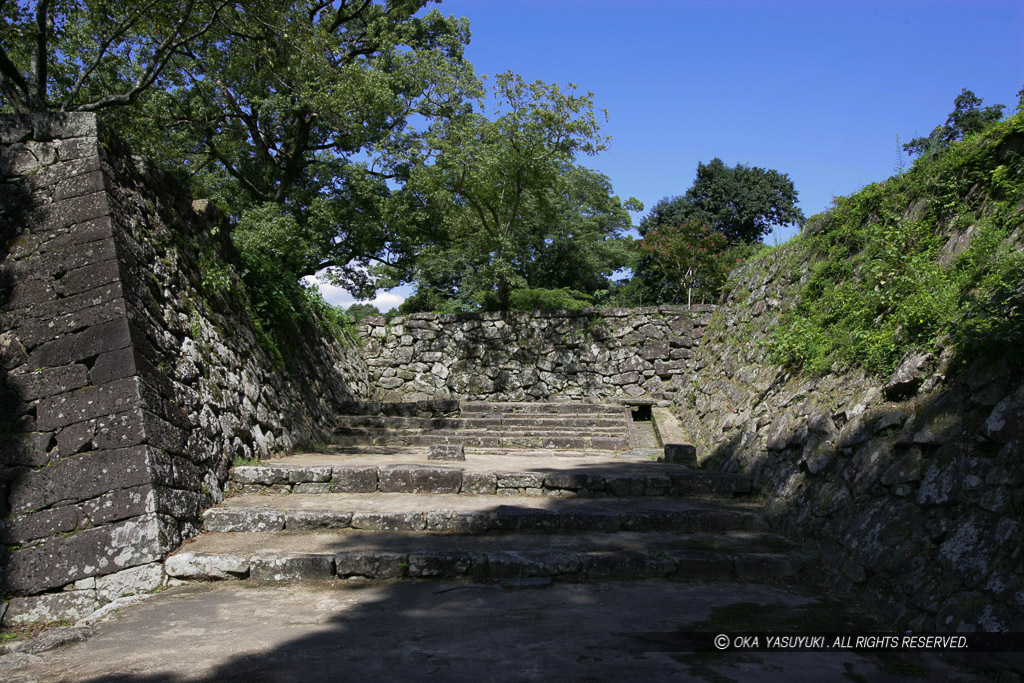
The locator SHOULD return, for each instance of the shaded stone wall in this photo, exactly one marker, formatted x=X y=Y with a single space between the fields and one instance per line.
x=130 y=373
x=535 y=355
x=909 y=486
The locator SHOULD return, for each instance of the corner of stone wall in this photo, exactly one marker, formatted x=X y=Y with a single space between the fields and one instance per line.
x=130 y=374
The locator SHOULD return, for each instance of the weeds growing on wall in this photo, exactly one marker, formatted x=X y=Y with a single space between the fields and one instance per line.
x=926 y=259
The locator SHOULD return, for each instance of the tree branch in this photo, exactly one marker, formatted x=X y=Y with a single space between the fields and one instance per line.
x=103 y=47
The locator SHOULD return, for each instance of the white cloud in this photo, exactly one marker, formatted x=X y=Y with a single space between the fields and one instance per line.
x=338 y=296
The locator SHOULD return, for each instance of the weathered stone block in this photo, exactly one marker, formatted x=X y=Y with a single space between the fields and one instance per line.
x=439 y=564
x=292 y=567
x=509 y=564
x=389 y=521
x=144 y=579
x=80 y=477
x=373 y=564
x=91 y=552
x=67 y=605
x=354 y=479
x=254 y=520
x=420 y=479
x=439 y=451
x=308 y=520
x=206 y=566
x=680 y=453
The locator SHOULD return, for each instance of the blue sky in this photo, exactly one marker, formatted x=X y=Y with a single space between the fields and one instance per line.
x=818 y=89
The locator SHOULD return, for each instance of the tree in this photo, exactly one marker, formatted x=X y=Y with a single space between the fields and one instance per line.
x=966 y=119
x=89 y=56
x=522 y=213
x=293 y=117
x=742 y=204
x=685 y=257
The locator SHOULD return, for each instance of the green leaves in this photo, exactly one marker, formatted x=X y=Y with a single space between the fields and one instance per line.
x=519 y=212
x=884 y=284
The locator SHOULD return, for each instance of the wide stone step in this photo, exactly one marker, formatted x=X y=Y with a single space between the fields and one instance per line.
x=480 y=439
x=454 y=513
x=508 y=408
x=505 y=421
x=349 y=554
x=490 y=476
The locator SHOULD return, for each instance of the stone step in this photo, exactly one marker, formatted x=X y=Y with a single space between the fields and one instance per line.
x=454 y=513
x=507 y=408
x=483 y=439
x=494 y=475
x=350 y=554
x=530 y=421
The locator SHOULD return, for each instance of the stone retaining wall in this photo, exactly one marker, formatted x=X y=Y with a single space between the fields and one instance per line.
x=130 y=373
x=534 y=356
x=909 y=486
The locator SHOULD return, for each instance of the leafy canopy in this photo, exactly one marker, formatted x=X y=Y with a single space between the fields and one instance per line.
x=519 y=212
x=687 y=256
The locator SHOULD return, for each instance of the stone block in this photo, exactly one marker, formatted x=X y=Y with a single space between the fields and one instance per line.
x=389 y=521
x=143 y=579
x=354 y=479
x=587 y=518
x=629 y=564
x=292 y=567
x=373 y=564
x=42 y=524
x=680 y=453
x=89 y=403
x=624 y=485
x=439 y=564
x=444 y=451
x=120 y=504
x=103 y=550
x=512 y=564
x=48 y=381
x=73 y=211
x=309 y=520
x=695 y=564
x=300 y=475
x=206 y=566
x=766 y=565
x=66 y=605
x=516 y=480
x=251 y=520
x=420 y=479
x=80 y=477
x=574 y=481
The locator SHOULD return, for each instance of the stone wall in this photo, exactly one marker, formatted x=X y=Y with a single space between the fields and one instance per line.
x=130 y=372
x=909 y=486
x=534 y=356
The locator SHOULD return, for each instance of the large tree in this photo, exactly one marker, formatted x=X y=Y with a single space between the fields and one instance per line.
x=741 y=204
x=295 y=117
x=521 y=213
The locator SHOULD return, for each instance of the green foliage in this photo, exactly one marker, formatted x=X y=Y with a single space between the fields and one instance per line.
x=358 y=311
x=967 y=118
x=687 y=257
x=886 y=281
x=548 y=299
x=518 y=212
x=742 y=204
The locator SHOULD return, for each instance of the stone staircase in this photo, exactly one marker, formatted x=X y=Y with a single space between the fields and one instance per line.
x=361 y=510
x=589 y=426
